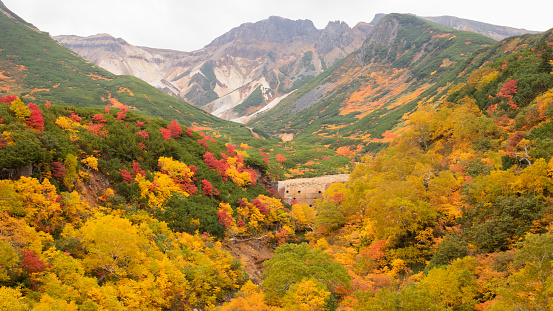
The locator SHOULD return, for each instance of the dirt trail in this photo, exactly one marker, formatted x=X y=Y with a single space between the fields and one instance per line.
x=252 y=253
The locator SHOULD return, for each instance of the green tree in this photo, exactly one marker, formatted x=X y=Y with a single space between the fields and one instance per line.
x=293 y=263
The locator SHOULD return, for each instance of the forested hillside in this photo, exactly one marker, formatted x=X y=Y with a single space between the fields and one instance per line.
x=104 y=209
x=107 y=209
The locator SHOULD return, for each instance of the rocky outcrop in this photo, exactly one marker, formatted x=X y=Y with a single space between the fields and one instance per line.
x=274 y=29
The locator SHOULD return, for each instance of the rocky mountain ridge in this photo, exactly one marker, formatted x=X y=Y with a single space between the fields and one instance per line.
x=272 y=57
x=252 y=66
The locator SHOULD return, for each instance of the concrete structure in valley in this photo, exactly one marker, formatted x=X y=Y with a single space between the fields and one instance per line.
x=306 y=190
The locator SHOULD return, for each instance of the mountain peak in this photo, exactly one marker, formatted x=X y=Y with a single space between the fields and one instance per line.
x=273 y=29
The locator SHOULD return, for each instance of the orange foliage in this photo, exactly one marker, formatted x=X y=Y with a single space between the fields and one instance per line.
x=98 y=77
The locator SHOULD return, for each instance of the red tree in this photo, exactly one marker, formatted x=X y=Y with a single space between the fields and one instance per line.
x=31 y=263
x=208 y=188
x=175 y=129
x=165 y=133
x=58 y=170
x=36 y=120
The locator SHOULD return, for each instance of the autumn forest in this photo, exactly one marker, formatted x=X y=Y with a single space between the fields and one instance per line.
x=116 y=196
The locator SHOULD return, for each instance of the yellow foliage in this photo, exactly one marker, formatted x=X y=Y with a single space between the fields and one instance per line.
x=8 y=136
x=21 y=111
x=48 y=303
x=91 y=162
x=174 y=169
x=487 y=79
x=39 y=200
x=108 y=194
x=399 y=267
x=11 y=299
x=250 y=298
x=303 y=216
x=309 y=294
x=67 y=124
x=241 y=179
x=158 y=191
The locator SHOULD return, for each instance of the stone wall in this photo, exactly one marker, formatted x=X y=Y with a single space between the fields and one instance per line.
x=306 y=190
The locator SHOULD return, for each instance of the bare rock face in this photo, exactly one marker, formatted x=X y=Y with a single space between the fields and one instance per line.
x=274 y=29
x=275 y=55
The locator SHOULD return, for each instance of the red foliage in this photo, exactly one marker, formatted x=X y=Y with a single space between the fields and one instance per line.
x=142 y=146
x=58 y=170
x=99 y=117
x=3 y=143
x=337 y=197
x=260 y=206
x=189 y=132
x=143 y=134
x=75 y=117
x=136 y=169
x=188 y=186
x=273 y=192
x=281 y=236
x=139 y=124
x=127 y=176
x=230 y=149
x=204 y=136
x=515 y=139
x=121 y=115
x=505 y=63
x=31 y=263
x=175 y=129
x=280 y=158
x=508 y=90
x=266 y=160
x=95 y=129
x=219 y=165
x=208 y=188
x=203 y=143
x=8 y=99
x=492 y=109
x=36 y=120
x=165 y=133
x=224 y=219
x=48 y=104
x=241 y=223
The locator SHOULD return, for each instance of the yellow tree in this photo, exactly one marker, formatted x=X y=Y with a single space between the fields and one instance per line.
x=40 y=203
x=159 y=190
x=250 y=298
x=303 y=216
x=307 y=295
x=12 y=299
x=113 y=245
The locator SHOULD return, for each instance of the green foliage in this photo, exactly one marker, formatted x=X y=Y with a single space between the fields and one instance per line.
x=255 y=99
x=452 y=247
x=492 y=226
x=180 y=213
x=293 y=263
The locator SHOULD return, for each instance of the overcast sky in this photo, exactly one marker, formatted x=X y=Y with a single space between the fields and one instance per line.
x=189 y=25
